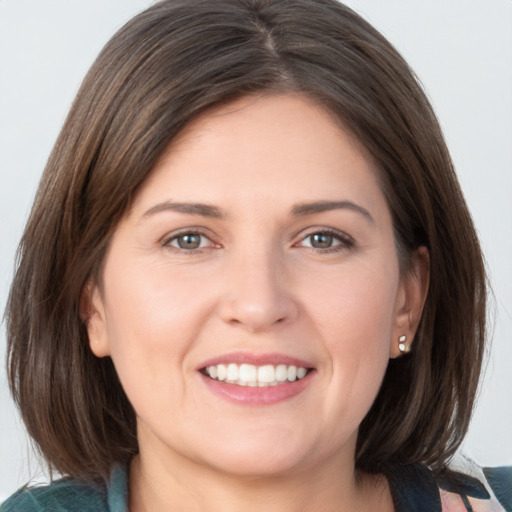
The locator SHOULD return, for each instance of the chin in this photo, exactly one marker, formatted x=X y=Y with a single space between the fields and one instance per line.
x=257 y=466
x=260 y=456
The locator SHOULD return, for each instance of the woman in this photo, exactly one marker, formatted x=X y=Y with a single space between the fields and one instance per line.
x=249 y=278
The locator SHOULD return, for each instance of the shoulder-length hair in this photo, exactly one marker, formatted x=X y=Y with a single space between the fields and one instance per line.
x=163 y=68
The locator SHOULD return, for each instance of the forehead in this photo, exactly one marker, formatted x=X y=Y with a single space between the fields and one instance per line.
x=263 y=146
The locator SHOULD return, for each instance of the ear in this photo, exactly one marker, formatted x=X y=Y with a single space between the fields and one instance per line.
x=410 y=300
x=92 y=313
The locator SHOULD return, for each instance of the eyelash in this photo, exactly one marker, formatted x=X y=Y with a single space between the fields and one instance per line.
x=345 y=241
x=166 y=242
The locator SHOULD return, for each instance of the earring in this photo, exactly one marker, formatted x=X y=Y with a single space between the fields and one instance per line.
x=405 y=349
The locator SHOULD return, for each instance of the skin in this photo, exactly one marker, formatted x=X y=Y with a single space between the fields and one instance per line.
x=257 y=285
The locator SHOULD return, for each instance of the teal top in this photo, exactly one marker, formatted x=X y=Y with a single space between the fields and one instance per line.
x=413 y=487
x=67 y=495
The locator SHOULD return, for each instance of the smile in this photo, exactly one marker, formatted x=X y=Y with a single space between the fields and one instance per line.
x=255 y=376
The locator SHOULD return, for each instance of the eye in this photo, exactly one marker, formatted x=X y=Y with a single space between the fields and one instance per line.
x=322 y=240
x=325 y=240
x=189 y=241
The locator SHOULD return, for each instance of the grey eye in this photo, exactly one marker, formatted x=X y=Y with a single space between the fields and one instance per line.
x=325 y=240
x=321 y=240
x=188 y=241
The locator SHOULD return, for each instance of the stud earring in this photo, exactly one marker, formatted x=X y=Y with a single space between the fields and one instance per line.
x=404 y=349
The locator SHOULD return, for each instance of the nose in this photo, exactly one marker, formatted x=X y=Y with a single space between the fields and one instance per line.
x=258 y=294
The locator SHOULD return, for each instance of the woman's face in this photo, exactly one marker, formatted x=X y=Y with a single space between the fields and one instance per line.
x=259 y=251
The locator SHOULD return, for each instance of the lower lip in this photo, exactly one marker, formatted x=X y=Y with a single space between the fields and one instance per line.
x=268 y=395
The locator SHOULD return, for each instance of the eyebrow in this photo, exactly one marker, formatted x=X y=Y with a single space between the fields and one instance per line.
x=298 y=210
x=205 y=210
x=303 y=209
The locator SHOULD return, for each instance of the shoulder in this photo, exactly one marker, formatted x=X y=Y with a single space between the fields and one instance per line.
x=465 y=486
x=478 y=489
x=496 y=481
x=500 y=481
x=66 y=495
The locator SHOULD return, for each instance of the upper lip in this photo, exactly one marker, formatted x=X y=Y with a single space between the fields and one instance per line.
x=255 y=359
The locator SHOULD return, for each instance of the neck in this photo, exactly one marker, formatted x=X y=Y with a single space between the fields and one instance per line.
x=330 y=488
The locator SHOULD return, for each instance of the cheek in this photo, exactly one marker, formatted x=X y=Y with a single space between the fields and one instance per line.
x=153 y=320
x=355 y=306
x=150 y=303
x=355 y=317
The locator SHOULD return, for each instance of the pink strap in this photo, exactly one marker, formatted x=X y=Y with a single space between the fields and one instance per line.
x=453 y=502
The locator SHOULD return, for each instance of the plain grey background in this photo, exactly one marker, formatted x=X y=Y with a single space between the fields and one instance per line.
x=462 y=53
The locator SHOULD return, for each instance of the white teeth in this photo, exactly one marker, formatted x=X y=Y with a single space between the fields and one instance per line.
x=301 y=372
x=248 y=373
x=232 y=372
x=266 y=373
x=255 y=376
x=282 y=373
x=292 y=373
x=222 y=372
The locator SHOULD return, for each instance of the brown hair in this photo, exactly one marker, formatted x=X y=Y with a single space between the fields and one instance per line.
x=162 y=69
